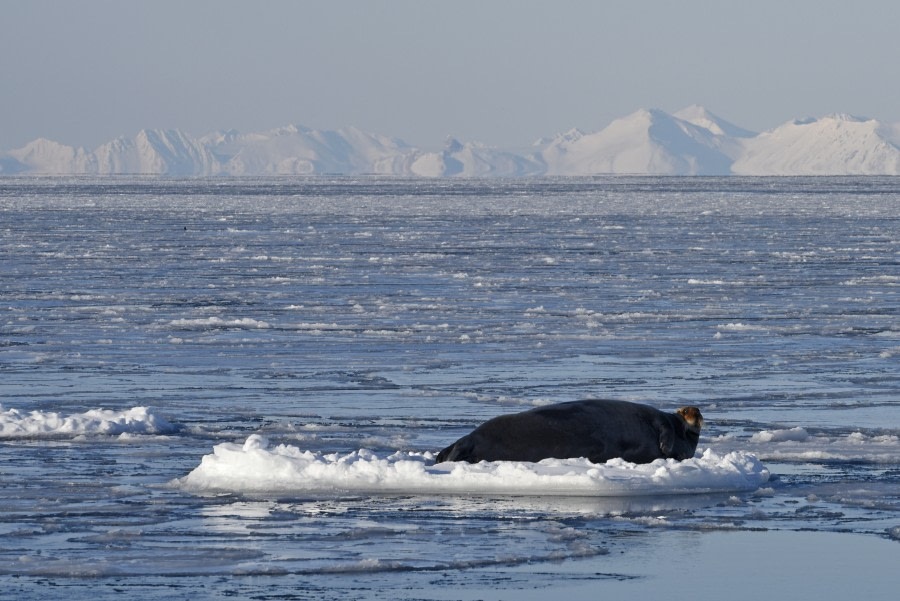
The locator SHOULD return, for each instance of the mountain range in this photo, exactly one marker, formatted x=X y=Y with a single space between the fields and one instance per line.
x=692 y=141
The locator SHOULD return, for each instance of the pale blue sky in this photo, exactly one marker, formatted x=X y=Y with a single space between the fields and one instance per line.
x=502 y=72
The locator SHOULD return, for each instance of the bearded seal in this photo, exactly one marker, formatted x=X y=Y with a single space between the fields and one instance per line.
x=598 y=430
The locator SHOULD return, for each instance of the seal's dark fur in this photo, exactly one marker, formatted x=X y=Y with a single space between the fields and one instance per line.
x=599 y=430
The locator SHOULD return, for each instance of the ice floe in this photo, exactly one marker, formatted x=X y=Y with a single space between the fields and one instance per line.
x=214 y=323
x=798 y=444
x=15 y=423
x=256 y=467
x=797 y=434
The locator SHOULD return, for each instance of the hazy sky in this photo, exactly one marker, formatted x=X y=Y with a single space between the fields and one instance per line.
x=502 y=72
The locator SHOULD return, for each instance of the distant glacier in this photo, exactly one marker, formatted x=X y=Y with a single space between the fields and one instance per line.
x=692 y=141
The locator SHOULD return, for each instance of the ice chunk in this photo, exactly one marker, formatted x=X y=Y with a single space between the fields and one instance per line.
x=213 y=323
x=255 y=467
x=797 y=444
x=797 y=434
x=40 y=424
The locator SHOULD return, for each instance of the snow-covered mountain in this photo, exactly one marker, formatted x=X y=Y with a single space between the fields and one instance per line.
x=727 y=137
x=155 y=151
x=647 y=141
x=692 y=141
x=832 y=145
x=472 y=160
x=151 y=151
x=297 y=150
x=47 y=156
x=701 y=117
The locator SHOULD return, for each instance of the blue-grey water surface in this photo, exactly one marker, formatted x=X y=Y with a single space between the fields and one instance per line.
x=335 y=314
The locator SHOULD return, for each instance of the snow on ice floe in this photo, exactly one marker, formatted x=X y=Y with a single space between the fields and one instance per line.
x=256 y=467
x=798 y=444
x=797 y=434
x=45 y=424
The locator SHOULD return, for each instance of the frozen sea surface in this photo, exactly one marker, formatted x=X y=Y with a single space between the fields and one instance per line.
x=235 y=387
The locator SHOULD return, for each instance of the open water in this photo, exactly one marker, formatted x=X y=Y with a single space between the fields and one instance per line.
x=338 y=314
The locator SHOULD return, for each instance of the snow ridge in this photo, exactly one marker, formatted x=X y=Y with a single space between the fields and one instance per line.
x=692 y=141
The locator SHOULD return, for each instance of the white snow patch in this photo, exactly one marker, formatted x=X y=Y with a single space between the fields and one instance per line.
x=797 y=444
x=891 y=352
x=741 y=327
x=213 y=323
x=257 y=467
x=882 y=280
x=40 y=424
x=797 y=434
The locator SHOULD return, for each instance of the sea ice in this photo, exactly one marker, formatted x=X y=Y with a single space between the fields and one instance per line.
x=258 y=467
x=46 y=424
x=797 y=444
x=212 y=323
x=797 y=434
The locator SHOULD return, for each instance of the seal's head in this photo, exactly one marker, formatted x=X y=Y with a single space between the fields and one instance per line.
x=692 y=418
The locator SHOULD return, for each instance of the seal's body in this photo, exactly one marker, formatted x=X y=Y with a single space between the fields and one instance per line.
x=599 y=430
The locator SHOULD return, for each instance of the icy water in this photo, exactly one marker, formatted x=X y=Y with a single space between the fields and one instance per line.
x=150 y=326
